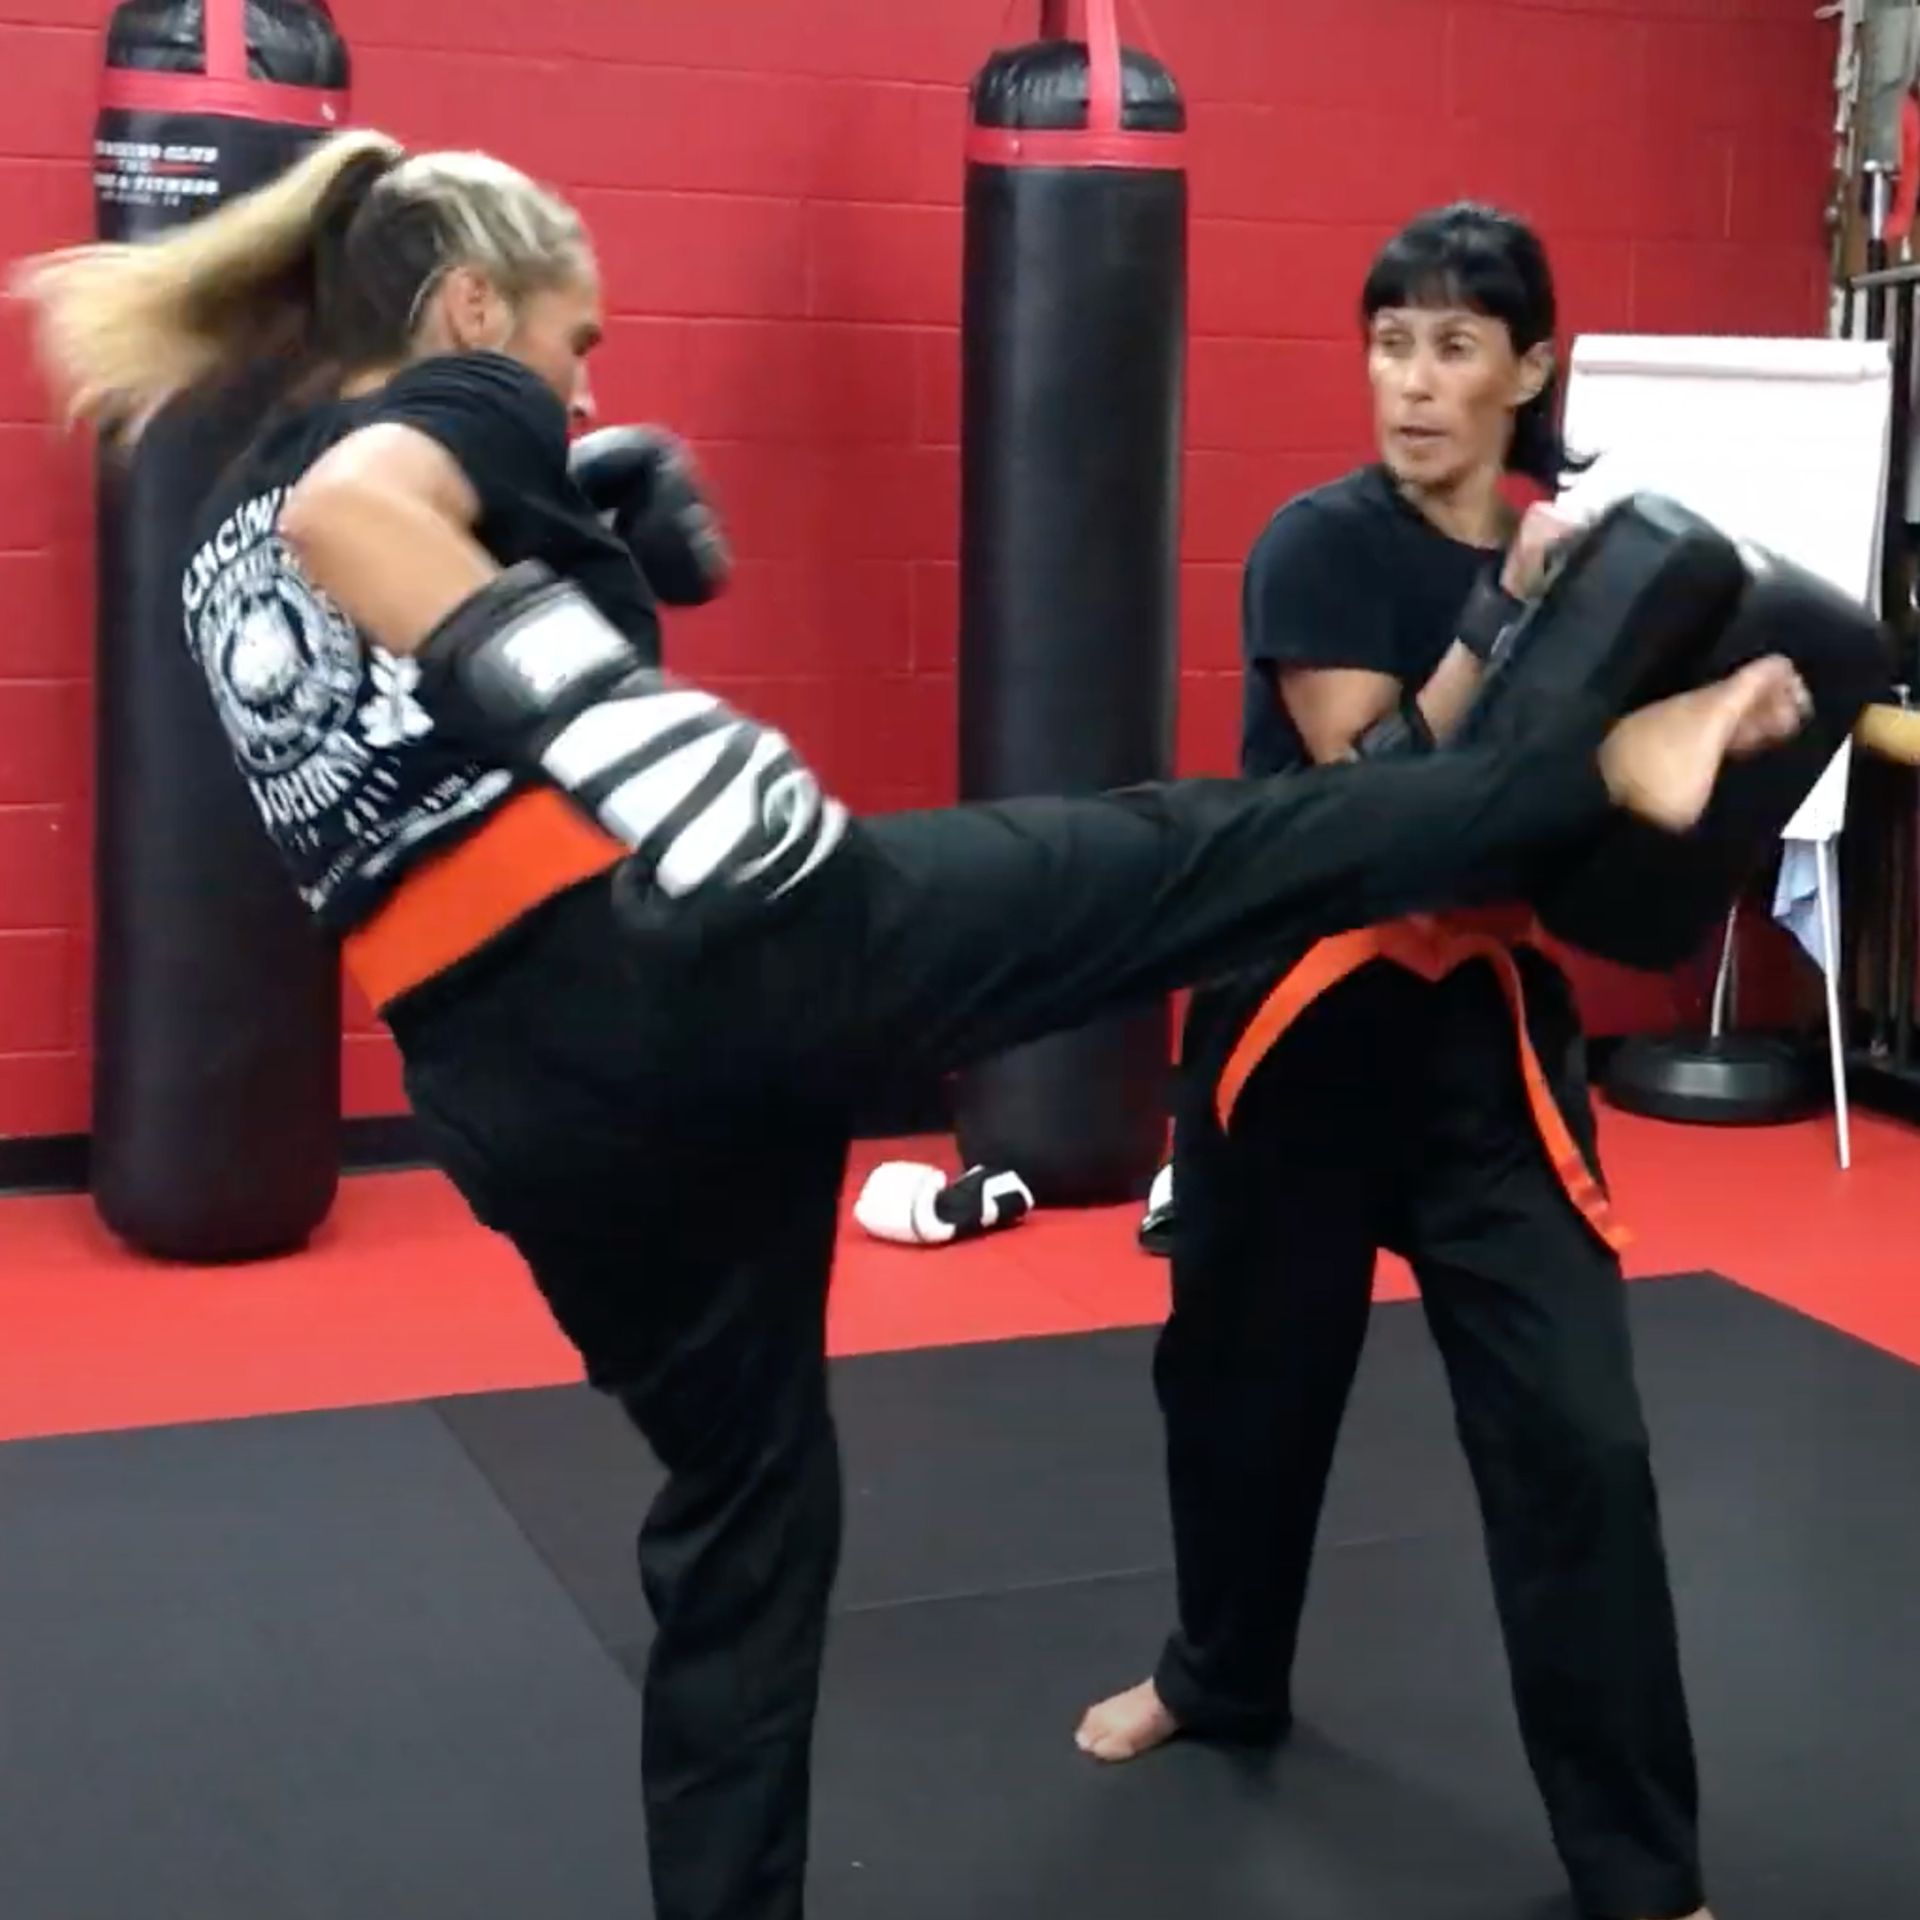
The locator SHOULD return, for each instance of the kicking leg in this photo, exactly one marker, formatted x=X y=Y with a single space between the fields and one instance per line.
x=982 y=927
x=993 y=925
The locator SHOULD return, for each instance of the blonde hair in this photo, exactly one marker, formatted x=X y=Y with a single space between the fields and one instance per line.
x=332 y=263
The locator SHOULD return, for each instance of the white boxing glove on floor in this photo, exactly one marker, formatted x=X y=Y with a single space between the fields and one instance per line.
x=918 y=1206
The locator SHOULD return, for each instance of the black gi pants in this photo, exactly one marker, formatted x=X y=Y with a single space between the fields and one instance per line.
x=1394 y=1115
x=661 y=1127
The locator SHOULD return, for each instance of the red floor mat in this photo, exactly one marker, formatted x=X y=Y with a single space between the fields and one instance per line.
x=403 y=1297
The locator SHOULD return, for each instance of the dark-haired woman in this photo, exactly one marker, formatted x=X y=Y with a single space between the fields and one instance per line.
x=1417 y=1087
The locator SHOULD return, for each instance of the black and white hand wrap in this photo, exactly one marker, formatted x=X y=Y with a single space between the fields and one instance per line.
x=913 y=1205
x=528 y=671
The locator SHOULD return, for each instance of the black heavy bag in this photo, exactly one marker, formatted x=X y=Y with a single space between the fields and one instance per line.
x=1073 y=352
x=216 y=1080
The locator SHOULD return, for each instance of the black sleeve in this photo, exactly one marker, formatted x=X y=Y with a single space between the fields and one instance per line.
x=1313 y=595
x=503 y=424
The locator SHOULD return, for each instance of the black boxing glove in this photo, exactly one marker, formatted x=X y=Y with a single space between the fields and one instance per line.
x=642 y=483
x=529 y=672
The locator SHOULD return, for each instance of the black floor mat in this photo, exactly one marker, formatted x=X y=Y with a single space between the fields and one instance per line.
x=950 y=1787
x=296 y=1669
x=969 y=1469
x=315 y=1669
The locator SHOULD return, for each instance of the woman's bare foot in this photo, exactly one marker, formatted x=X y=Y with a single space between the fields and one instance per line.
x=1127 y=1726
x=1661 y=762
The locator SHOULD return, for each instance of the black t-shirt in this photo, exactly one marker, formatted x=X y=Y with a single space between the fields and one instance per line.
x=1348 y=575
x=349 y=776
x=1351 y=575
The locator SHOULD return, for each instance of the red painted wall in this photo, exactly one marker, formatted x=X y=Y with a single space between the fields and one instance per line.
x=776 y=190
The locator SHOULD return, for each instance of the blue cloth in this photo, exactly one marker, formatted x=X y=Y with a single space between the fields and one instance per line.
x=1796 y=897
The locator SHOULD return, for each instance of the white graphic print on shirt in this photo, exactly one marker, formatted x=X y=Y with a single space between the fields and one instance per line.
x=325 y=727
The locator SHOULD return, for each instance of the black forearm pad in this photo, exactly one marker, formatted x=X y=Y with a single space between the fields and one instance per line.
x=510 y=666
x=1397 y=735
x=1489 y=612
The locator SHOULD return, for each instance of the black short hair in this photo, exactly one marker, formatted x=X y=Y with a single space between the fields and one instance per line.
x=1489 y=262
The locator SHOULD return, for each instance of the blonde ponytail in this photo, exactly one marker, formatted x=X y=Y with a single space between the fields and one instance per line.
x=122 y=329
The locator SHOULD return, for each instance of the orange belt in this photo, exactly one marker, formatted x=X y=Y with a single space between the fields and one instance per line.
x=534 y=846
x=1431 y=947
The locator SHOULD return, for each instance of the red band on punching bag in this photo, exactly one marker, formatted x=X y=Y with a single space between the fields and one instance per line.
x=1014 y=147
x=126 y=91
